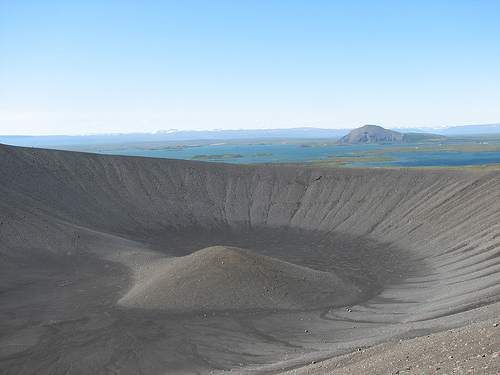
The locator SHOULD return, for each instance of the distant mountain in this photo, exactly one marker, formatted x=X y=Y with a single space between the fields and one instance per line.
x=170 y=135
x=173 y=134
x=455 y=130
x=377 y=134
x=371 y=134
x=472 y=129
x=374 y=134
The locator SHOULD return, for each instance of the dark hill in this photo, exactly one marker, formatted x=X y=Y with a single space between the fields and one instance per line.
x=371 y=134
x=377 y=134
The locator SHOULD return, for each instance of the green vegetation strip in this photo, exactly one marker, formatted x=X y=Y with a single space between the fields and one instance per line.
x=336 y=161
x=225 y=156
x=468 y=148
x=339 y=161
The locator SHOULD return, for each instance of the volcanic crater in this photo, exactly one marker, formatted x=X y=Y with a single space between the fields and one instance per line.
x=116 y=264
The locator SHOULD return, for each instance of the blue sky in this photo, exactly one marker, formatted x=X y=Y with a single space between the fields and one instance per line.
x=75 y=67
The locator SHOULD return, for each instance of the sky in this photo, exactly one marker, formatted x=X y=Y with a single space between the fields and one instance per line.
x=108 y=66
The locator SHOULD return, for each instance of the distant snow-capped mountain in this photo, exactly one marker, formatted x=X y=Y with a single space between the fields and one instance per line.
x=223 y=134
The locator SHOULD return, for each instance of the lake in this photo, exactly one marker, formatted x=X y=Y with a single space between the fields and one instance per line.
x=294 y=153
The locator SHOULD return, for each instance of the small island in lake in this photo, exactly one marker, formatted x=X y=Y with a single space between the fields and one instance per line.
x=224 y=156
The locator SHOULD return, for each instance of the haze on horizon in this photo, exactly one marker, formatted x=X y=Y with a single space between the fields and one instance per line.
x=81 y=67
